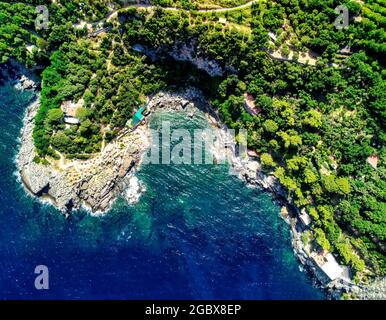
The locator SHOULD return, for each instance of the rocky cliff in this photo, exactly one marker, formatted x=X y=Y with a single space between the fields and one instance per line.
x=97 y=182
x=94 y=183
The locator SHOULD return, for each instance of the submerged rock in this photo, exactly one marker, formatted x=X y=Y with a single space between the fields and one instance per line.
x=24 y=83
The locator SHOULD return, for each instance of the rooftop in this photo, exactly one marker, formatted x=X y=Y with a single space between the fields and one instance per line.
x=373 y=161
x=327 y=263
x=71 y=120
x=138 y=116
x=304 y=217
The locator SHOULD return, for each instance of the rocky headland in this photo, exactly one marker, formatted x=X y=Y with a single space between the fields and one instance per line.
x=97 y=182
x=69 y=184
x=21 y=77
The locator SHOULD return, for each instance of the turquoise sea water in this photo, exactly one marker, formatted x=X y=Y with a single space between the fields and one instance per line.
x=197 y=232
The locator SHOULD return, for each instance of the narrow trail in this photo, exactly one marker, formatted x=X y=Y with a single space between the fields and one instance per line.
x=113 y=14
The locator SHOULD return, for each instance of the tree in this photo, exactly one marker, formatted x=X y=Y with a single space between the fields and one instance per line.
x=83 y=113
x=266 y=160
x=85 y=128
x=321 y=239
x=329 y=183
x=343 y=185
x=60 y=141
x=270 y=126
x=296 y=163
x=285 y=51
x=310 y=176
x=313 y=118
x=55 y=116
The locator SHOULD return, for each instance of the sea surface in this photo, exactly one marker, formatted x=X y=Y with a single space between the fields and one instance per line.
x=197 y=233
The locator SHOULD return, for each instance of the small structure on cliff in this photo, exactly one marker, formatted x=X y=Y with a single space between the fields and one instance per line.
x=373 y=161
x=139 y=48
x=69 y=109
x=253 y=153
x=346 y=50
x=222 y=20
x=99 y=31
x=272 y=36
x=71 y=120
x=327 y=263
x=138 y=117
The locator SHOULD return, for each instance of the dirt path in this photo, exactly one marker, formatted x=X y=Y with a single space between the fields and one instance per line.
x=149 y=6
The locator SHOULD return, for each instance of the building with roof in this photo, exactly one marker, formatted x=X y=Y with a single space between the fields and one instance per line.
x=138 y=117
x=222 y=20
x=327 y=263
x=345 y=50
x=71 y=120
x=139 y=48
x=272 y=36
x=305 y=217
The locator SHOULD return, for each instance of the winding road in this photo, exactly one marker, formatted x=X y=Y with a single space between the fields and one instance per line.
x=149 y=6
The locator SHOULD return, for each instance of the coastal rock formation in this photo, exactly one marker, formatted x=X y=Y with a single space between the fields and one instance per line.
x=94 y=183
x=22 y=78
x=374 y=291
x=97 y=182
x=35 y=177
x=189 y=100
x=187 y=52
x=24 y=83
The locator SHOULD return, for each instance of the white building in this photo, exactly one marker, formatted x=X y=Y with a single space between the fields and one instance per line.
x=71 y=120
x=327 y=263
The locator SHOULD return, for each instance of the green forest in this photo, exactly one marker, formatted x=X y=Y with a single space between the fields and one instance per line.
x=316 y=127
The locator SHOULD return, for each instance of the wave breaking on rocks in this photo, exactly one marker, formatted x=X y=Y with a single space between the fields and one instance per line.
x=69 y=184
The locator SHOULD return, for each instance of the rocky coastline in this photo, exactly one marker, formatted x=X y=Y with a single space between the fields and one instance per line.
x=251 y=171
x=71 y=184
x=21 y=77
x=97 y=182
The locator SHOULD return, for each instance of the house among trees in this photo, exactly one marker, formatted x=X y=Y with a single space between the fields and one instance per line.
x=71 y=120
x=69 y=109
x=345 y=50
x=222 y=20
x=373 y=161
x=272 y=36
x=139 y=48
x=252 y=153
x=100 y=31
x=249 y=104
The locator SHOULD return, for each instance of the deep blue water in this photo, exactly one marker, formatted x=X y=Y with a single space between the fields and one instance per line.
x=196 y=233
